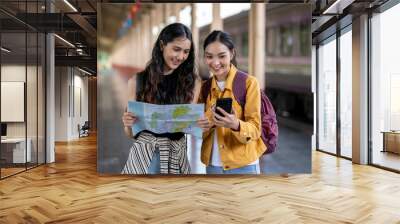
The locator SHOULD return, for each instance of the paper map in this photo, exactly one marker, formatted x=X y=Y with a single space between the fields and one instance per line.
x=167 y=118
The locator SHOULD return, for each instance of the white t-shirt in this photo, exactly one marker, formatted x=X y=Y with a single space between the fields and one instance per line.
x=215 y=156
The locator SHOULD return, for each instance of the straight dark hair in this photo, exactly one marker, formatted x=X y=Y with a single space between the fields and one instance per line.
x=225 y=39
x=186 y=72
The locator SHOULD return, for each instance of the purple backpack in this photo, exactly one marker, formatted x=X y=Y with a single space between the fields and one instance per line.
x=269 y=124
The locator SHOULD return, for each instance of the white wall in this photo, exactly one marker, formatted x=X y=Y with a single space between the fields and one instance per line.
x=314 y=90
x=79 y=117
x=33 y=126
x=70 y=83
x=15 y=73
x=61 y=103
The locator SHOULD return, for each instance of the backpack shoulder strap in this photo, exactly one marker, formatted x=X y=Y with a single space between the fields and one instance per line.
x=239 y=87
x=205 y=89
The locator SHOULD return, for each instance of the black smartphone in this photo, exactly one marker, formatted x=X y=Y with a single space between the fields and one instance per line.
x=225 y=104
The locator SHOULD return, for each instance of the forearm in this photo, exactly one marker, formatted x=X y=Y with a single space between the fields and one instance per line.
x=128 y=132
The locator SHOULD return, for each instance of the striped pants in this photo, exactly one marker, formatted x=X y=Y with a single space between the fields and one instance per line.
x=173 y=155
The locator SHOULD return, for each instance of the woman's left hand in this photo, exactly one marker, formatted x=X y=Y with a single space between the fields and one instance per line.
x=227 y=121
x=204 y=124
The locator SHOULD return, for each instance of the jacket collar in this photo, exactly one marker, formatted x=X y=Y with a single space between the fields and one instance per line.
x=228 y=81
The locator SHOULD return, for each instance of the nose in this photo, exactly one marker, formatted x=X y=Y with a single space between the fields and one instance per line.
x=215 y=62
x=181 y=56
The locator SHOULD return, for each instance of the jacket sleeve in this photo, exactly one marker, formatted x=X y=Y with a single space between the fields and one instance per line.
x=250 y=125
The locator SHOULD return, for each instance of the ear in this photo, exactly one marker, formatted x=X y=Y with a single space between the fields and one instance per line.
x=233 y=53
x=204 y=58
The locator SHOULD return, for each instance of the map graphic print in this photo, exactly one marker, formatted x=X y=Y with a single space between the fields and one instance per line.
x=167 y=118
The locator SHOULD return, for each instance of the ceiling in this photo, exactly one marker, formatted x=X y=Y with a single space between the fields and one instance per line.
x=80 y=27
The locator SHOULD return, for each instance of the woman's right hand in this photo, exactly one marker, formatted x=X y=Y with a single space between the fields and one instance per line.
x=129 y=118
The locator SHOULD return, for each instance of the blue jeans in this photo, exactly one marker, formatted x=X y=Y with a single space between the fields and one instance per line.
x=249 y=169
x=154 y=167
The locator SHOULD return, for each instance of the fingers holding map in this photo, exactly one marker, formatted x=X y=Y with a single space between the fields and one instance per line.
x=167 y=118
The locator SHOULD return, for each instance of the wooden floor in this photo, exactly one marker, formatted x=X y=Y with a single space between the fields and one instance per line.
x=10 y=171
x=70 y=191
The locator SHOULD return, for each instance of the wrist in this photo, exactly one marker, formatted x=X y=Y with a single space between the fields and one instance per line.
x=236 y=126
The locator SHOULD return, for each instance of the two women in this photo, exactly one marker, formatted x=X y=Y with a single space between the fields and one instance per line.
x=231 y=143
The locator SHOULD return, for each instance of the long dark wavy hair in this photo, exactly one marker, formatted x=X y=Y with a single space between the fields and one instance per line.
x=225 y=39
x=186 y=72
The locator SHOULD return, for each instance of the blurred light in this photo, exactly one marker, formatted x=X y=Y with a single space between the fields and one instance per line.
x=134 y=9
x=172 y=19
x=129 y=22
x=5 y=50
x=204 y=14
x=86 y=72
x=70 y=5
x=204 y=11
x=64 y=40
x=338 y=6
x=185 y=16
x=230 y=9
x=155 y=30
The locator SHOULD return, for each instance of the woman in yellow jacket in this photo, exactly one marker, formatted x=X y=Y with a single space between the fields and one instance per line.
x=231 y=143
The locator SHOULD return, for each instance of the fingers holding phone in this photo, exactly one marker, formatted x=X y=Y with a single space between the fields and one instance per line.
x=223 y=116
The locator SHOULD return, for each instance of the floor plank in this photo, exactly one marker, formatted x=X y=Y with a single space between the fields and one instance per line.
x=71 y=191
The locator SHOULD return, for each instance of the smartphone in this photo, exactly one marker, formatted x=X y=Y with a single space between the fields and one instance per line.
x=225 y=104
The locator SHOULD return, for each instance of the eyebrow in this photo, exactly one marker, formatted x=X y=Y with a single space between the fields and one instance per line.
x=221 y=53
x=180 y=48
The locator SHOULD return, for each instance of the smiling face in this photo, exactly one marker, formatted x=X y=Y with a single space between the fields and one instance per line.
x=218 y=58
x=175 y=53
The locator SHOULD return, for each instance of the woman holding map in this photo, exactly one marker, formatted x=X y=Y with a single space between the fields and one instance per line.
x=169 y=78
x=233 y=145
